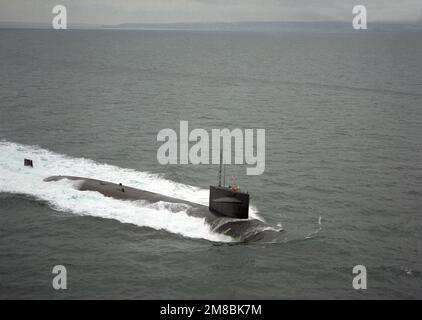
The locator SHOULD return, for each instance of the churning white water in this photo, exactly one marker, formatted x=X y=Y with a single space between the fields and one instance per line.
x=62 y=196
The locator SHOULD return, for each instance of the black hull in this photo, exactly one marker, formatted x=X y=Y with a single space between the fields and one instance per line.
x=239 y=229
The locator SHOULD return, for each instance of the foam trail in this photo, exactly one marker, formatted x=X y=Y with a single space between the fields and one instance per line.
x=15 y=178
x=313 y=234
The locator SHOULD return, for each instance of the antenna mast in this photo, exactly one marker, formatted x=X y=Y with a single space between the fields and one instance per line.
x=219 y=171
x=224 y=174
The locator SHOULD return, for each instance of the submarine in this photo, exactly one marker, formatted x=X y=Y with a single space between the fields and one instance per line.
x=227 y=212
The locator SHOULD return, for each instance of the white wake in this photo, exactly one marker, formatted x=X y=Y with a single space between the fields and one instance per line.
x=15 y=178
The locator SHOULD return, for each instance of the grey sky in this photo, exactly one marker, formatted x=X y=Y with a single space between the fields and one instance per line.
x=161 y=11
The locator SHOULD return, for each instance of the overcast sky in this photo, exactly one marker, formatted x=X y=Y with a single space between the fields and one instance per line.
x=161 y=11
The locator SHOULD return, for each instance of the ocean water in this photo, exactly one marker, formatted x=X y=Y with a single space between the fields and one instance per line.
x=343 y=177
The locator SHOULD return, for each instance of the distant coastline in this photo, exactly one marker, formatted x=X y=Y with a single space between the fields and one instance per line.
x=333 y=26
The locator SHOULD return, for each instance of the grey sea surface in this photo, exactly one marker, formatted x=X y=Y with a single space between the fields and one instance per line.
x=343 y=120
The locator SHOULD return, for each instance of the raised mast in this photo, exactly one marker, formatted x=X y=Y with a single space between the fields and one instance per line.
x=219 y=170
x=228 y=202
x=224 y=174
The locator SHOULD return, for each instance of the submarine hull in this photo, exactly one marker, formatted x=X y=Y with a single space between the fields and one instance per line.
x=239 y=229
